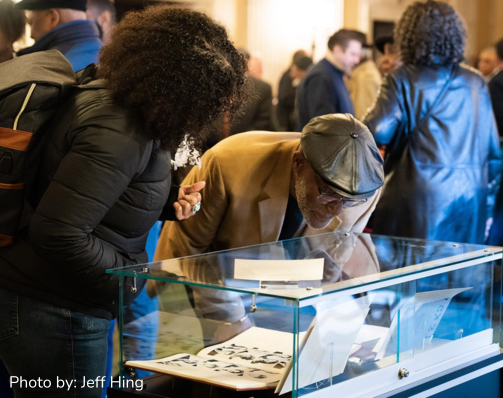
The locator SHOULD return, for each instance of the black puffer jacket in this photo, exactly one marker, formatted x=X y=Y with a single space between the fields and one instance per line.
x=103 y=184
x=438 y=177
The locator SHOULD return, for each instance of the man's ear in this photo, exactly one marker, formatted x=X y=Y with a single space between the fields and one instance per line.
x=105 y=18
x=54 y=16
x=338 y=50
x=299 y=160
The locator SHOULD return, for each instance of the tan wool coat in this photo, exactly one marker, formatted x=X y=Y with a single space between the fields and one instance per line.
x=244 y=202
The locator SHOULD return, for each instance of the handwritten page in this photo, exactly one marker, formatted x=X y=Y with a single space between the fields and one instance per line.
x=327 y=349
x=427 y=310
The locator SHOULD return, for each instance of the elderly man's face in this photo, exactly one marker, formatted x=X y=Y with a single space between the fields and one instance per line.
x=318 y=211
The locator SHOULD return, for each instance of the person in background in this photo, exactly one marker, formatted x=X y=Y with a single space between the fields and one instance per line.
x=496 y=89
x=12 y=28
x=62 y=25
x=103 y=13
x=257 y=114
x=388 y=60
x=434 y=114
x=365 y=82
x=255 y=67
x=324 y=90
x=488 y=63
x=287 y=92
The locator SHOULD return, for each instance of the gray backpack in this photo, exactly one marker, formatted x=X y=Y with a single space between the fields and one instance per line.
x=32 y=88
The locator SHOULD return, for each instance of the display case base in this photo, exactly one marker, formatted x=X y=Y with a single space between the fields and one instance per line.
x=157 y=386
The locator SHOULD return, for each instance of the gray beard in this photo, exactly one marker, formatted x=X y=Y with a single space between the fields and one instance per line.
x=301 y=193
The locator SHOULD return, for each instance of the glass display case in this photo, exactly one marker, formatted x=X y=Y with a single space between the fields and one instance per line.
x=346 y=315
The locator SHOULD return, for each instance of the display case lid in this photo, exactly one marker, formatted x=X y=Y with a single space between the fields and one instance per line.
x=309 y=267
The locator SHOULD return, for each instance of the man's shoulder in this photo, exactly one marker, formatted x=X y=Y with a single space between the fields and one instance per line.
x=258 y=138
x=323 y=71
x=263 y=88
x=497 y=81
x=320 y=68
x=260 y=84
x=253 y=145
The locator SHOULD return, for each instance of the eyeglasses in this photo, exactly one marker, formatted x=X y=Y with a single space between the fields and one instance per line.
x=326 y=198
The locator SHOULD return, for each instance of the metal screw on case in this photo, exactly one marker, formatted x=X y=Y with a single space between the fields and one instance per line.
x=455 y=245
x=309 y=288
x=253 y=306
x=403 y=372
x=133 y=288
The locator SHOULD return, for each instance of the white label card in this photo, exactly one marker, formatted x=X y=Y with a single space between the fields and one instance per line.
x=279 y=270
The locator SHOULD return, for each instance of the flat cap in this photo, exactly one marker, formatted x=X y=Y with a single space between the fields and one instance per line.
x=33 y=5
x=342 y=151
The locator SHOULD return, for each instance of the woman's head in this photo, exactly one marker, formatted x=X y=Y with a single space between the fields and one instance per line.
x=430 y=34
x=177 y=69
x=12 y=26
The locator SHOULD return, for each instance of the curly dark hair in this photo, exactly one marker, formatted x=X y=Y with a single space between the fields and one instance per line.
x=12 y=21
x=430 y=34
x=177 y=69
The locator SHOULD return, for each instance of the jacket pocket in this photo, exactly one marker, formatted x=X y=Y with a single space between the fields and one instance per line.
x=9 y=324
x=12 y=199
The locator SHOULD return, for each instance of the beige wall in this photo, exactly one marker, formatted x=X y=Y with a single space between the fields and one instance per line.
x=482 y=18
x=274 y=29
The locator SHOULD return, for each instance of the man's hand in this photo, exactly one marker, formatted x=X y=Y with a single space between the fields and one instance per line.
x=188 y=196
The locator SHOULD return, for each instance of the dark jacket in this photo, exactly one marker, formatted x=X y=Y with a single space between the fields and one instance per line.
x=103 y=184
x=496 y=91
x=322 y=91
x=257 y=114
x=79 y=41
x=438 y=177
x=285 y=110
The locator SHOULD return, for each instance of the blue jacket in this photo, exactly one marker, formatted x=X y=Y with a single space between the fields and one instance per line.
x=79 y=41
x=323 y=91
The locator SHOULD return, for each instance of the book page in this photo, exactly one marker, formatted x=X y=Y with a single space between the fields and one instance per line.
x=257 y=347
x=211 y=371
x=255 y=359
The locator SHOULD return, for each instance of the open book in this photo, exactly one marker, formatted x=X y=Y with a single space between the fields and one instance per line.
x=261 y=358
x=255 y=359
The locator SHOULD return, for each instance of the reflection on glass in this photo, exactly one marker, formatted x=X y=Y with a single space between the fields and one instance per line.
x=348 y=327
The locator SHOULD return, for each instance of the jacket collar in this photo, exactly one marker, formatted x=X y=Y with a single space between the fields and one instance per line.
x=64 y=37
x=330 y=58
x=275 y=194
